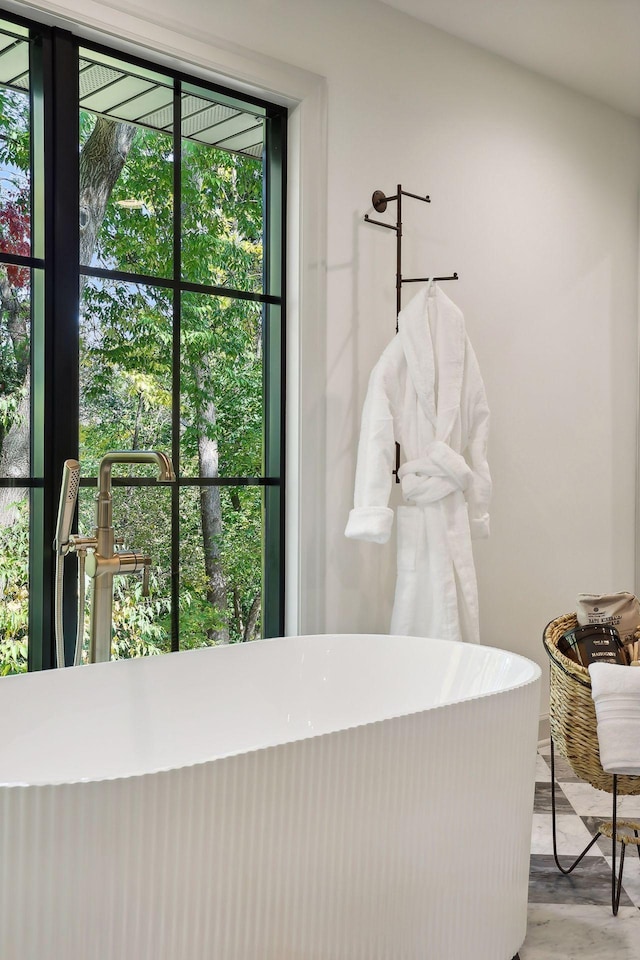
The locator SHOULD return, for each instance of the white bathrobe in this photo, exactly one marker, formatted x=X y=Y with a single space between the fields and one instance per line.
x=427 y=394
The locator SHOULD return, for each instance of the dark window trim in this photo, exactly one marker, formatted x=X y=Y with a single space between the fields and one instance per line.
x=53 y=51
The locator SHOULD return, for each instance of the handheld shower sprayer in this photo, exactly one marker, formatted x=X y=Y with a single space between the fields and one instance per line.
x=67 y=506
x=62 y=546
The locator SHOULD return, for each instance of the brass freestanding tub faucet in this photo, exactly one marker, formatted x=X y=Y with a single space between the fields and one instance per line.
x=96 y=555
x=104 y=563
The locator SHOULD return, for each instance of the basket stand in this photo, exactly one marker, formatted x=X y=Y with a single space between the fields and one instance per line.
x=574 y=734
x=606 y=829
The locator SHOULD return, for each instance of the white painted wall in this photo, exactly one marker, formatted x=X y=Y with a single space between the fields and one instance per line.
x=535 y=203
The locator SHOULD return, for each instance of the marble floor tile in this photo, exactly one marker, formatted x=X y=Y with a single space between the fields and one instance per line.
x=563 y=770
x=630 y=877
x=568 y=932
x=543 y=772
x=629 y=807
x=542 y=800
x=570 y=917
x=589 y=884
x=572 y=835
x=545 y=749
x=586 y=801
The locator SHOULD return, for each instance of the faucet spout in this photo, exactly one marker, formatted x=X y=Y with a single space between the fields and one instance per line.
x=103 y=501
x=163 y=462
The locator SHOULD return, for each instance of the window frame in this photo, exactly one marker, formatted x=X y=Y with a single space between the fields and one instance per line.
x=55 y=329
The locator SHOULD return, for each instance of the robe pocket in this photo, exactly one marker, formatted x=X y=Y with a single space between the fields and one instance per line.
x=408 y=523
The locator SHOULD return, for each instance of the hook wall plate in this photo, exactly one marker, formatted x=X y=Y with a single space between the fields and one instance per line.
x=379 y=201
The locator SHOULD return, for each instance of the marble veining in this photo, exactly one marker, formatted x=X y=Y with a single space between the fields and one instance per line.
x=573 y=835
x=589 y=802
x=542 y=802
x=560 y=931
x=590 y=882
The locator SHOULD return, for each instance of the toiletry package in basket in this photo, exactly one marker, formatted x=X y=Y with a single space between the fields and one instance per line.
x=618 y=610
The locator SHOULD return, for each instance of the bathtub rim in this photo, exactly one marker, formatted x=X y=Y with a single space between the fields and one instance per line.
x=533 y=677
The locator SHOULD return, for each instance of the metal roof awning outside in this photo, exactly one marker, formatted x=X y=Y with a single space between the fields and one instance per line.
x=125 y=92
x=142 y=99
x=14 y=62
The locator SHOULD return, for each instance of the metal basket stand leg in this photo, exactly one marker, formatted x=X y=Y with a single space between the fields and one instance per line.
x=615 y=888
x=620 y=832
x=565 y=870
x=607 y=830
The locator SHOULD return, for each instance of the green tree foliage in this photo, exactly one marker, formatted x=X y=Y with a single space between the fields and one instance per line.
x=126 y=380
x=14 y=579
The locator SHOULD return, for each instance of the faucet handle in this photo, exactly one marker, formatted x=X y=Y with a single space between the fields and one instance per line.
x=81 y=544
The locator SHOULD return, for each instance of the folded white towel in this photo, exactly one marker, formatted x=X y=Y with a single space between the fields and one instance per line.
x=616 y=694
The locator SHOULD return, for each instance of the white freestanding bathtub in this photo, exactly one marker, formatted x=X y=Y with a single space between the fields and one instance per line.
x=304 y=798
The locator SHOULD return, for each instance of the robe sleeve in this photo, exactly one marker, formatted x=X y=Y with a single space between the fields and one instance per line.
x=371 y=518
x=478 y=493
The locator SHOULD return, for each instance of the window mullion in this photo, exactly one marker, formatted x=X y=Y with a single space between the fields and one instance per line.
x=176 y=343
x=39 y=71
x=62 y=255
x=274 y=341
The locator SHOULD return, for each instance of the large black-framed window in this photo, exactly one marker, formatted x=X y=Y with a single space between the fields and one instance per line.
x=153 y=318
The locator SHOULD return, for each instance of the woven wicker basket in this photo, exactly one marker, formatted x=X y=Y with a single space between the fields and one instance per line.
x=572 y=714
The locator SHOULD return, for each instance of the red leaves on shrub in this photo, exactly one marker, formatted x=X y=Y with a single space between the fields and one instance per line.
x=15 y=232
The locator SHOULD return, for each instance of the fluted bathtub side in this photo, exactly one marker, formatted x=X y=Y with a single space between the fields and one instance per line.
x=402 y=839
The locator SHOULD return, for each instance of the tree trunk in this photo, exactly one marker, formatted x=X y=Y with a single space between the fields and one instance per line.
x=211 y=511
x=14 y=460
x=17 y=325
x=101 y=161
x=250 y=626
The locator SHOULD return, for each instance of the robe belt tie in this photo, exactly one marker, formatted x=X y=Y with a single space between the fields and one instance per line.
x=438 y=473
